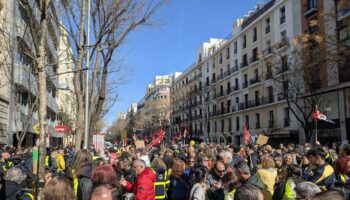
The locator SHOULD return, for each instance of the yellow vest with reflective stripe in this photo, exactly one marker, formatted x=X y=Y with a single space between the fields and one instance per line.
x=289 y=189
x=160 y=186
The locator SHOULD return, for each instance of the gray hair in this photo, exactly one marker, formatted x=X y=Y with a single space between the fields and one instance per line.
x=226 y=154
x=307 y=189
x=141 y=162
x=243 y=167
x=15 y=175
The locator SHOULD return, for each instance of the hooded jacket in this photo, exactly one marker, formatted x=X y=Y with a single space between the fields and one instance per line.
x=143 y=188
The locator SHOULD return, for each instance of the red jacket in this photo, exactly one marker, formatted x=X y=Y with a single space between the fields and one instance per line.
x=143 y=188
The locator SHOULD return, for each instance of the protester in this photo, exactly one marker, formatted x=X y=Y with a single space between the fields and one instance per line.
x=267 y=174
x=248 y=192
x=143 y=188
x=197 y=184
x=179 y=188
x=12 y=188
x=230 y=183
x=327 y=195
x=58 y=188
x=306 y=190
x=214 y=181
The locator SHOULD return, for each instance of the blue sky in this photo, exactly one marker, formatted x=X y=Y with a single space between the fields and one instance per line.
x=171 y=46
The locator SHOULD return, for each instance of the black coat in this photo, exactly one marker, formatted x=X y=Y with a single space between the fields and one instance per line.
x=10 y=190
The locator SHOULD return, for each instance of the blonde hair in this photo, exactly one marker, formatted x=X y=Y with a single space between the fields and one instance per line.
x=267 y=162
x=158 y=163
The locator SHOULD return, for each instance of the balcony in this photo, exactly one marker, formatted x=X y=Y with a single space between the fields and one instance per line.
x=282 y=69
x=245 y=84
x=244 y=64
x=213 y=80
x=310 y=8
x=236 y=87
x=267 y=30
x=233 y=69
x=268 y=75
x=267 y=51
x=254 y=59
x=255 y=80
x=281 y=97
x=283 y=43
x=221 y=76
x=271 y=123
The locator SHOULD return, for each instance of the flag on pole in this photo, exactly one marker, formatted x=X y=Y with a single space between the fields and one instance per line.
x=186 y=132
x=158 y=138
x=180 y=135
x=246 y=134
x=134 y=137
x=320 y=116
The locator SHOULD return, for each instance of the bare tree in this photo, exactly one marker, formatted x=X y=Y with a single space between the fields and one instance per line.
x=112 y=22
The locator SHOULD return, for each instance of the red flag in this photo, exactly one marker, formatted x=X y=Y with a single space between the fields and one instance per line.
x=246 y=134
x=187 y=132
x=145 y=138
x=320 y=116
x=158 y=138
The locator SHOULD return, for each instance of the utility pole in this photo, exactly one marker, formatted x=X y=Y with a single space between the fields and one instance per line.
x=86 y=130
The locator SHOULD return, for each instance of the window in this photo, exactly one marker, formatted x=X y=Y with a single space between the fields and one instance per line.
x=246 y=100
x=237 y=100
x=284 y=35
x=271 y=119
x=245 y=60
x=207 y=81
x=282 y=15
x=220 y=60
x=214 y=77
x=257 y=120
x=268 y=49
x=257 y=95
x=227 y=52
x=284 y=61
x=247 y=121
x=213 y=63
x=208 y=127
x=313 y=28
x=228 y=105
x=228 y=87
x=245 y=83
x=199 y=58
x=270 y=93
x=215 y=126
x=286 y=117
x=229 y=125
x=244 y=41
x=267 y=26
x=236 y=84
x=236 y=64
x=237 y=124
x=255 y=34
x=235 y=47
x=207 y=66
x=311 y=4
x=222 y=125
x=255 y=55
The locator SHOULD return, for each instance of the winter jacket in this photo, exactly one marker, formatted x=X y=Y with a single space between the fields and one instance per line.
x=13 y=191
x=82 y=185
x=143 y=188
x=268 y=177
x=197 y=192
x=61 y=164
x=179 y=188
x=323 y=176
x=213 y=193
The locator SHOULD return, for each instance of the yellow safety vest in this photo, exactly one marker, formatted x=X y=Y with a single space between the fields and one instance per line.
x=47 y=161
x=342 y=178
x=230 y=195
x=6 y=166
x=75 y=183
x=289 y=189
x=160 y=186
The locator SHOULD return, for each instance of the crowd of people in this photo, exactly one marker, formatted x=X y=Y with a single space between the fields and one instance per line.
x=181 y=172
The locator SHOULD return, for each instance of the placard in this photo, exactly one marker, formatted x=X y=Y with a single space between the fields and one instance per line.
x=123 y=134
x=140 y=144
x=262 y=139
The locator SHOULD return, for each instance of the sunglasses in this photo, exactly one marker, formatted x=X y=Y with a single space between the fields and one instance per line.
x=220 y=171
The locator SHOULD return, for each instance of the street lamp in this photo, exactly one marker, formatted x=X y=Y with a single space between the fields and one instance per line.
x=86 y=130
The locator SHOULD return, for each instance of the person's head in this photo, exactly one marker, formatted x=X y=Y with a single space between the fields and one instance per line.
x=125 y=164
x=242 y=171
x=81 y=159
x=305 y=160
x=138 y=166
x=316 y=156
x=178 y=168
x=219 y=168
x=342 y=165
x=15 y=175
x=199 y=175
x=306 y=190
x=226 y=156
x=58 y=188
x=5 y=155
x=158 y=163
x=329 y=194
x=281 y=146
x=191 y=162
x=61 y=151
x=203 y=160
x=278 y=161
x=230 y=181
x=103 y=174
x=267 y=162
x=169 y=153
x=288 y=159
x=104 y=192
x=248 y=192
x=236 y=149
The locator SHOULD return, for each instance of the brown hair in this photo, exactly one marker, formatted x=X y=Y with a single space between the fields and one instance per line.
x=59 y=188
x=230 y=181
x=80 y=161
x=158 y=163
x=267 y=162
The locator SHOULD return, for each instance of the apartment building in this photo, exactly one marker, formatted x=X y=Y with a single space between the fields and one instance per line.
x=19 y=90
x=329 y=64
x=239 y=80
x=153 y=111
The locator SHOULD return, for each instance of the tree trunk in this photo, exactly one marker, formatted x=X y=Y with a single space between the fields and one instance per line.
x=78 y=83
x=42 y=99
